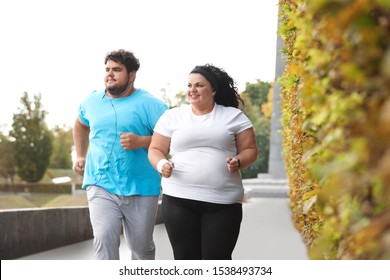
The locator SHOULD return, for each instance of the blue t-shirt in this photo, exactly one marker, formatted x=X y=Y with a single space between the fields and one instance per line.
x=109 y=165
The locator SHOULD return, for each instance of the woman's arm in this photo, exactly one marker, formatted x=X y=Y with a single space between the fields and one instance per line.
x=247 y=150
x=157 y=154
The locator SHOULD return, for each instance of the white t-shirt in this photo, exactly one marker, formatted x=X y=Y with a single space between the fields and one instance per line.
x=199 y=148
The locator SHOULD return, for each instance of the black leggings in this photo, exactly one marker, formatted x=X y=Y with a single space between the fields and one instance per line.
x=200 y=230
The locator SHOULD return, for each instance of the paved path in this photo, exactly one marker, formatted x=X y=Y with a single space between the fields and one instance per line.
x=267 y=233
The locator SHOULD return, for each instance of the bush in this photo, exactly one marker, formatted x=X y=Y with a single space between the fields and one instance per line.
x=336 y=125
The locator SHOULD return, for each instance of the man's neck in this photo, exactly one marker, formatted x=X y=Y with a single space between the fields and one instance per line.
x=126 y=93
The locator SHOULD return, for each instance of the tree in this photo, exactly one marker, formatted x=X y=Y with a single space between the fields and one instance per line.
x=258 y=92
x=179 y=99
x=261 y=122
x=7 y=159
x=33 y=140
x=62 y=147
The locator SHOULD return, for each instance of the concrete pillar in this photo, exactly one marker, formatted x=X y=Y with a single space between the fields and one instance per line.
x=276 y=165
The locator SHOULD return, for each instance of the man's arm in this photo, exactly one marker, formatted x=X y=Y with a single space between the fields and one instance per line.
x=81 y=143
x=131 y=141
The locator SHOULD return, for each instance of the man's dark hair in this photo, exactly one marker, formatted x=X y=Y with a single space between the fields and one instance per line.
x=124 y=57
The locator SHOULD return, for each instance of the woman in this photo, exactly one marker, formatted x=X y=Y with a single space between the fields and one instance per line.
x=208 y=142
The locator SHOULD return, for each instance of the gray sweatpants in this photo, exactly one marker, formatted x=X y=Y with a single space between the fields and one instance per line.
x=108 y=212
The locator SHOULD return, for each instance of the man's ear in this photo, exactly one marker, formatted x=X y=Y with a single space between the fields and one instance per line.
x=132 y=75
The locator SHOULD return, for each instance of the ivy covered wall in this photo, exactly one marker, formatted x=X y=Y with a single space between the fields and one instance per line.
x=336 y=124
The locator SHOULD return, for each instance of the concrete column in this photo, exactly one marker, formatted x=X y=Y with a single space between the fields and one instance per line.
x=276 y=166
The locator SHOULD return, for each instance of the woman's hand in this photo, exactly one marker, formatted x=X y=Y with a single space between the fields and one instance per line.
x=233 y=164
x=166 y=170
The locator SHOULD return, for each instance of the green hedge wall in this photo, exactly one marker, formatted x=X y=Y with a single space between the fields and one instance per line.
x=336 y=124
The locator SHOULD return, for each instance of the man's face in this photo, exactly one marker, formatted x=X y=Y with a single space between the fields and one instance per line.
x=116 y=79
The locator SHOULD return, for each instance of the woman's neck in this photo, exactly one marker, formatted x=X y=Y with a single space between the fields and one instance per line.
x=202 y=110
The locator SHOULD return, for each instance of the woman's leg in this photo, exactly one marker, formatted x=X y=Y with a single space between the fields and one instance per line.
x=220 y=230
x=183 y=227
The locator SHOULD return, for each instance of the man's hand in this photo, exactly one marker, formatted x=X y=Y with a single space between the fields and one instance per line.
x=130 y=141
x=79 y=166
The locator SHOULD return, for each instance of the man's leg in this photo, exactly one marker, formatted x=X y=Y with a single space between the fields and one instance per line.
x=139 y=219
x=106 y=220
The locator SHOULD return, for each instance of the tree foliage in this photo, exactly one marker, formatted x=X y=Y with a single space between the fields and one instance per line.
x=7 y=159
x=33 y=140
x=179 y=99
x=258 y=92
x=256 y=96
x=62 y=148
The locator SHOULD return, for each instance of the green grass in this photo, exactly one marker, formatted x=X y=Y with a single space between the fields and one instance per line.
x=67 y=200
x=15 y=201
x=12 y=201
x=40 y=200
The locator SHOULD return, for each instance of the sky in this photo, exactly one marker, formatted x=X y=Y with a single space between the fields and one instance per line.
x=57 y=48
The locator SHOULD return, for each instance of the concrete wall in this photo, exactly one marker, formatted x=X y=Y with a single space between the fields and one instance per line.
x=28 y=231
x=276 y=165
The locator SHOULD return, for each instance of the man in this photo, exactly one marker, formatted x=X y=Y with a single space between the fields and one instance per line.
x=112 y=134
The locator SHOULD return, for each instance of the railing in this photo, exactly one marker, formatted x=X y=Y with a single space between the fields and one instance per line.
x=29 y=231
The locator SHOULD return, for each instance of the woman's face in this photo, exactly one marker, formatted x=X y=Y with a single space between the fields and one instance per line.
x=200 y=92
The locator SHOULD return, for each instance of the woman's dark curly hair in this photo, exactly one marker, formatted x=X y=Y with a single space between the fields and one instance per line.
x=124 y=57
x=225 y=87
